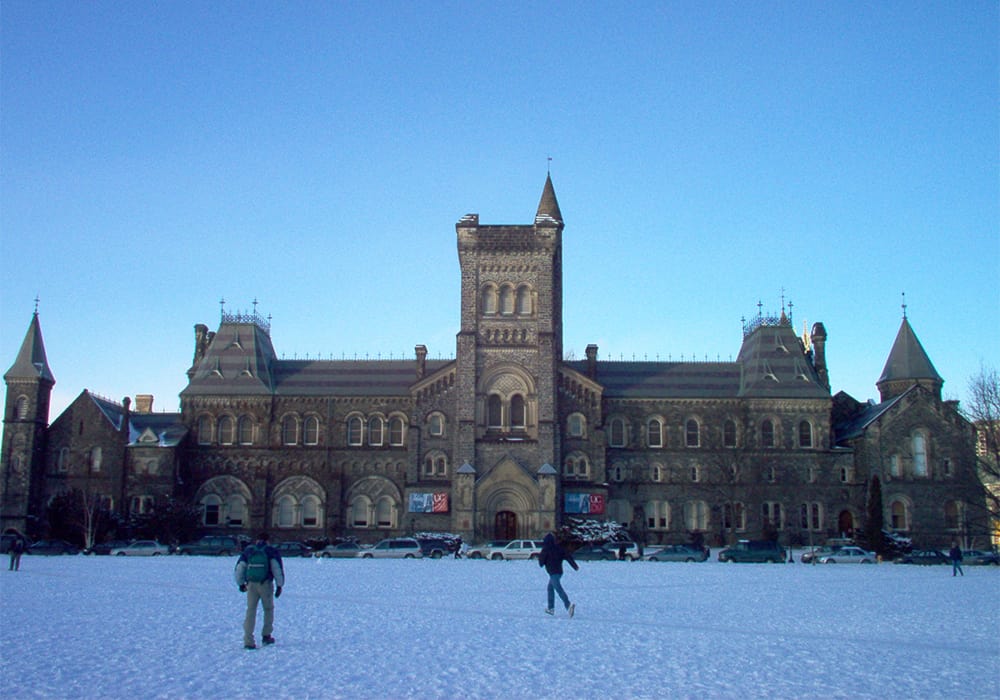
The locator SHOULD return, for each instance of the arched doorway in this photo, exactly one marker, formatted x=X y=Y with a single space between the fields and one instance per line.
x=845 y=524
x=505 y=525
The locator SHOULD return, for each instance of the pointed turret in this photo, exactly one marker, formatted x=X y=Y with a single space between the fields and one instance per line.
x=908 y=364
x=31 y=362
x=548 y=207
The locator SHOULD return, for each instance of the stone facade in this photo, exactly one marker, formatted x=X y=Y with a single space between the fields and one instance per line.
x=508 y=439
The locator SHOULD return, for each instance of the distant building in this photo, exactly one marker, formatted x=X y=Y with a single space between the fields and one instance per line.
x=507 y=439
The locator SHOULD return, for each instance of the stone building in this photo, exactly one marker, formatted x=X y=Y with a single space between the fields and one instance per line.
x=507 y=439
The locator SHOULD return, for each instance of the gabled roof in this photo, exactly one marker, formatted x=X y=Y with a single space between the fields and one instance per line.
x=167 y=427
x=855 y=425
x=907 y=359
x=31 y=362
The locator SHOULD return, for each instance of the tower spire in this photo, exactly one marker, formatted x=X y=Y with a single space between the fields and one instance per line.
x=548 y=207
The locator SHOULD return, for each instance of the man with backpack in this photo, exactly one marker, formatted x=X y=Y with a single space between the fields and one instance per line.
x=261 y=575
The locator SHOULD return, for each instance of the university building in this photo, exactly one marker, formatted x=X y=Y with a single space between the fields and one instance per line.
x=508 y=439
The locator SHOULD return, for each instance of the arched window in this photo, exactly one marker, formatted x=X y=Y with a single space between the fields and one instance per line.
x=617 y=433
x=290 y=430
x=310 y=431
x=692 y=437
x=773 y=515
x=21 y=408
x=734 y=516
x=618 y=473
x=524 y=301
x=517 y=418
x=384 y=512
x=506 y=300
x=204 y=430
x=375 y=431
x=310 y=511
x=658 y=515
x=576 y=425
x=210 y=506
x=767 y=433
x=899 y=516
x=919 y=455
x=396 y=432
x=235 y=510
x=286 y=512
x=226 y=430
x=805 y=434
x=246 y=430
x=654 y=432
x=729 y=434
x=494 y=412
x=489 y=299
x=441 y=466
x=696 y=515
x=657 y=472
x=435 y=425
x=360 y=508
x=354 y=431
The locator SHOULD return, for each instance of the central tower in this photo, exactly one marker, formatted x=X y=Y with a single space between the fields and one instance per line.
x=508 y=354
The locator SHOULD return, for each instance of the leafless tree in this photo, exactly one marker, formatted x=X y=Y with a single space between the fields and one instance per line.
x=983 y=410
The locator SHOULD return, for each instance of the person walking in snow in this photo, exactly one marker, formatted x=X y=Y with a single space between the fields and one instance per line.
x=552 y=558
x=16 y=550
x=261 y=575
x=955 y=554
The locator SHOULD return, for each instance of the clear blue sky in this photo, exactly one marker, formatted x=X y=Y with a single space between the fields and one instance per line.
x=157 y=157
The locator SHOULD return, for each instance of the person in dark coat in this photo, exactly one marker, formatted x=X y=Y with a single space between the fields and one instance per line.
x=955 y=554
x=16 y=550
x=552 y=558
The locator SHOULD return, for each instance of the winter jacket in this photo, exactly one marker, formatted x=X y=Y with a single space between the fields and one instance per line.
x=277 y=573
x=553 y=556
x=955 y=554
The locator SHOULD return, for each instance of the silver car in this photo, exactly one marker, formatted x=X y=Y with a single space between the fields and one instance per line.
x=394 y=548
x=849 y=555
x=141 y=548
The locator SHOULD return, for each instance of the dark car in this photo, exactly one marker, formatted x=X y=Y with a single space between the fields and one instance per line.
x=293 y=549
x=979 y=557
x=52 y=547
x=104 y=548
x=765 y=551
x=679 y=552
x=593 y=552
x=218 y=545
x=923 y=556
x=435 y=548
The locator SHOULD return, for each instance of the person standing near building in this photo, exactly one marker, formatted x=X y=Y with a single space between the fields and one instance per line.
x=552 y=558
x=261 y=575
x=955 y=554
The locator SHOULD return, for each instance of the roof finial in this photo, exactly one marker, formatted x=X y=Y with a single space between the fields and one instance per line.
x=36 y=304
x=222 y=306
x=548 y=168
x=255 y=306
x=904 y=306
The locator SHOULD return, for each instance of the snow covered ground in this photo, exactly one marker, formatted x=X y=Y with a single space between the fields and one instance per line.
x=170 y=627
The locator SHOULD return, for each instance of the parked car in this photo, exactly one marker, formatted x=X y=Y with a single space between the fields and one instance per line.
x=814 y=554
x=518 y=549
x=979 y=557
x=293 y=549
x=631 y=550
x=218 y=545
x=344 y=550
x=104 y=548
x=849 y=555
x=435 y=548
x=679 y=552
x=767 y=551
x=483 y=551
x=395 y=548
x=923 y=556
x=52 y=547
x=593 y=552
x=141 y=548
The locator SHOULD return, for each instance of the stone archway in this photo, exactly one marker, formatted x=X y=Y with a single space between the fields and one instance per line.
x=505 y=525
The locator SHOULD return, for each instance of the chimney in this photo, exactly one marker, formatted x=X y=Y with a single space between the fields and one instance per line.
x=421 y=361
x=143 y=403
x=818 y=338
x=592 y=361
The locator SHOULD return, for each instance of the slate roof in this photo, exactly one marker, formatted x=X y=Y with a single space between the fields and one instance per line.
x=856 y=425
x=31 y=361
x=167 y=427
x=907 y=359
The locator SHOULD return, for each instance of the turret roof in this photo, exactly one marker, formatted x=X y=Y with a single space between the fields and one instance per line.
x=548 y=207
x=31 y=362
x=907 y=359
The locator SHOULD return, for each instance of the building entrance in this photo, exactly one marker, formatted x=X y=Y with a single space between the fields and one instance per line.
x=505 y=525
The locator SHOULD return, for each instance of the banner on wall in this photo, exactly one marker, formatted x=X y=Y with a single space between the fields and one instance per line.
x=429 y=502
x=584 y=503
